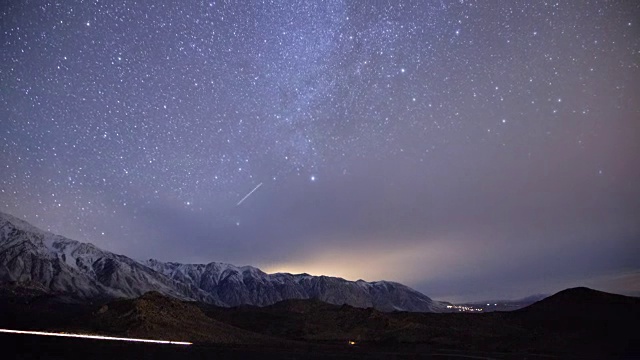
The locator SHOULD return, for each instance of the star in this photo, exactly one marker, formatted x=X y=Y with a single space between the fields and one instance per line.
x=129 y=135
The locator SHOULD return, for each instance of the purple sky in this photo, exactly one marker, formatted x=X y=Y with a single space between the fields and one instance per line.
x=471 y=150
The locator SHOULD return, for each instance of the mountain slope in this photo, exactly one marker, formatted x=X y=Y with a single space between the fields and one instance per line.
x=59 y=265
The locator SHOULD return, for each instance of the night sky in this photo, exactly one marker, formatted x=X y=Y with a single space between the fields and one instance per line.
x=469 y=149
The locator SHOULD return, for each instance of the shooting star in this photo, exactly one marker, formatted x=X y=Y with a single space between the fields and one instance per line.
x=249 y=194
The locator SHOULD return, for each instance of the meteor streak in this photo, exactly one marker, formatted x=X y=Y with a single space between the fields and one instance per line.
x=99 y=337
x=249 y=194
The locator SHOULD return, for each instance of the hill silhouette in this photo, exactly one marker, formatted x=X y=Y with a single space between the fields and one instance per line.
x=584 y=318
x=583 y=302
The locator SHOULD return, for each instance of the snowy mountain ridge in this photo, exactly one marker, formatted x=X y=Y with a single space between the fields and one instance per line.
x=65 y=266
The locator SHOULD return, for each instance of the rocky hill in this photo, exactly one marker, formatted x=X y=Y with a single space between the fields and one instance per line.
x=159 y=317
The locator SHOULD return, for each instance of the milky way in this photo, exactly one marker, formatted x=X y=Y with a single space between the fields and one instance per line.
x=466 y=148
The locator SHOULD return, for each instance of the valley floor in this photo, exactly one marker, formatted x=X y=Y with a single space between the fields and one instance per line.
x=17 y=346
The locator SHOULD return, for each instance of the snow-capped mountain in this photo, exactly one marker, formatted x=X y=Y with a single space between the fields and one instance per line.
x=61 y=265
x=249 y=285
x=31 y=256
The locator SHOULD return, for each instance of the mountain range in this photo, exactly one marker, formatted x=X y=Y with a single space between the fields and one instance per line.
x=31 y=257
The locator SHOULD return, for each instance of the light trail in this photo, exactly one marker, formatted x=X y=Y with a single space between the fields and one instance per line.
x=249 y=194
x=98 y=337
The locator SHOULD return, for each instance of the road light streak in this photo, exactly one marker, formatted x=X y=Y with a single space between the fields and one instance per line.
x=98 y=337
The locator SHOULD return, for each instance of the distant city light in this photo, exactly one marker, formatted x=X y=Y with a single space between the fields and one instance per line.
x=462 y=308
x=98 y=337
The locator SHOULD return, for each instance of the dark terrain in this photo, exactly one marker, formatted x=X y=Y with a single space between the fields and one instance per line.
x=575 y=323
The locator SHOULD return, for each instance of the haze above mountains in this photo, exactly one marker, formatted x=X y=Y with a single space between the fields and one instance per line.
x=53 y=263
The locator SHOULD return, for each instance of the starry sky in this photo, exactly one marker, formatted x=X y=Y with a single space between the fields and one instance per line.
x=469 y=149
